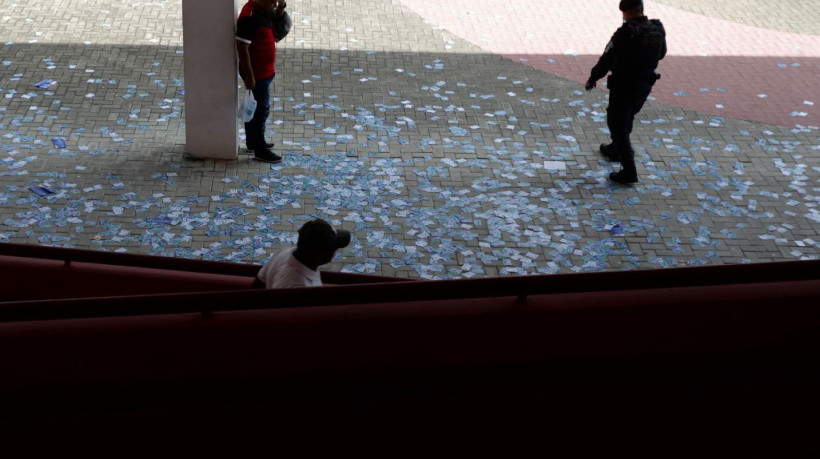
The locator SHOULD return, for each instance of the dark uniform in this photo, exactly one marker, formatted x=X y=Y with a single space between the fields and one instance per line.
x=632 y=55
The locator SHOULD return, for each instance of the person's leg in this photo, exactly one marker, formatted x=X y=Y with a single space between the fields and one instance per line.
x=638 y=100
x=629 y=172
x=608 y=152
x=255 y=128
x=617 y=119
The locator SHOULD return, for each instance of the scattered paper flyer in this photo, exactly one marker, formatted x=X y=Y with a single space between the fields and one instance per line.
x=41 y=190
x=164 y=221
x=45 y=84
x=555 y=165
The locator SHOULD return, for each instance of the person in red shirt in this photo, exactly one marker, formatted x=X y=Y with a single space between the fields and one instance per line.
x=256 y=46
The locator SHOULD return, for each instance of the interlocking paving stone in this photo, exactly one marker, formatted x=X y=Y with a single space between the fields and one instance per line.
x=429 y=148
x=716 y=66
x=798 y=16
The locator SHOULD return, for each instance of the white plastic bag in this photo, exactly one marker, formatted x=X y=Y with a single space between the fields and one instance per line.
x=248 y=108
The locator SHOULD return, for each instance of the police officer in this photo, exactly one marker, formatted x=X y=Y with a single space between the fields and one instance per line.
x=632 y=55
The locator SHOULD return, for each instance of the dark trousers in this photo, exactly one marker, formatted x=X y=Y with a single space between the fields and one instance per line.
x=255 y=128
x=625 y=101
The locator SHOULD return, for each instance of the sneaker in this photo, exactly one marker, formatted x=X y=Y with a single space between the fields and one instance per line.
x=623 y=177
x=267 y=146
x=267 y=156
x=609 y=153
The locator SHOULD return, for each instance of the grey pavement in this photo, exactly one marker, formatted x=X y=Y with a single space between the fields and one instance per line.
x=444 y=161
x=797 y=16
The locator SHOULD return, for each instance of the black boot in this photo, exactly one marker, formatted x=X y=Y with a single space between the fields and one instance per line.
x=623 y=177
x=268 y=145
x=628 y=173
x=609 y=153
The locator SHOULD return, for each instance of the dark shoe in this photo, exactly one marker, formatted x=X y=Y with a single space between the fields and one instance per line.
x=623 y=177
x=609 y=153
x=268 y=146
x=267 y=156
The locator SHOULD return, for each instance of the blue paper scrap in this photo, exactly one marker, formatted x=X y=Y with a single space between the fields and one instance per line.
x=41 y=190
x=160 y=220
x=45 y=84
x=438 y=224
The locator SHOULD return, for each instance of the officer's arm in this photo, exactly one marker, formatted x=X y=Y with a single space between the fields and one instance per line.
x=607 y=60
x=605 y=63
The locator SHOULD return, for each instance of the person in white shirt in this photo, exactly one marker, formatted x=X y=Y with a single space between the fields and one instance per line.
x=299 y=266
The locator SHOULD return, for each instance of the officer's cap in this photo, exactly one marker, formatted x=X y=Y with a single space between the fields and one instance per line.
x=630 y=4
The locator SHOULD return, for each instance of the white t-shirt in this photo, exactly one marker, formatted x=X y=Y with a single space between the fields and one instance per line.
x=283 y=270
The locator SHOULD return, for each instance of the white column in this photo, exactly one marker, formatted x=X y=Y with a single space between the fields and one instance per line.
x=209 y=32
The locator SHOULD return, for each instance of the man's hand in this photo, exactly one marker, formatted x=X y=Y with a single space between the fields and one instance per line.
x=590 y=84
x=280 y=8
x=249 y=83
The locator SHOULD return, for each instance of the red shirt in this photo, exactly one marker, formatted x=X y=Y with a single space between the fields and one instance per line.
x=255 y=27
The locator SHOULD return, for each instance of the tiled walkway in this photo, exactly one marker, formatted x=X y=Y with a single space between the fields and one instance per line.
x=715 y=65
x=445 y=158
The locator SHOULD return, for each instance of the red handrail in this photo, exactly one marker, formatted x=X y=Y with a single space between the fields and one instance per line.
x=413 y=291
x=168 y=263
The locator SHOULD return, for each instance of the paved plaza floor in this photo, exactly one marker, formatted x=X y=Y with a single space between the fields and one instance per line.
x=452 y=137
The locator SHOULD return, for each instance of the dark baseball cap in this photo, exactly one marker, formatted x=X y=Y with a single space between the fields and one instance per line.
x=320 y=235
x=629 y=4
